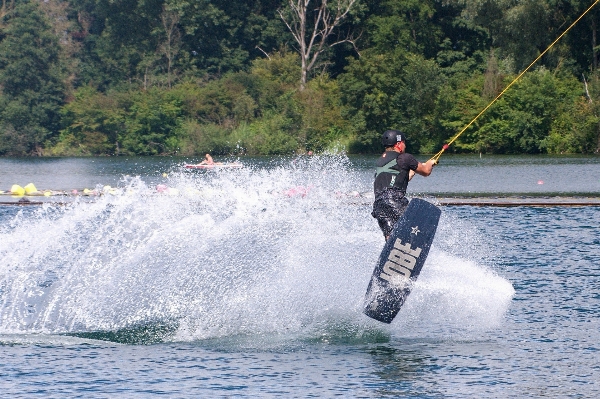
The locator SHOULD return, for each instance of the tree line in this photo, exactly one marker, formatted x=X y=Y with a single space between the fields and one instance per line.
x=265 y=77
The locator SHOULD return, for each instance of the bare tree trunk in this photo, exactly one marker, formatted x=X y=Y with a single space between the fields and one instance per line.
x=146 y=79
x=170 y=47
x=6 y=7
x=312 y=36
x=594 y=49
x=492 y=78
x=587 y=92
x=57 y=12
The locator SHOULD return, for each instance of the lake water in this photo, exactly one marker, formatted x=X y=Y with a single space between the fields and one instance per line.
x=250 y=282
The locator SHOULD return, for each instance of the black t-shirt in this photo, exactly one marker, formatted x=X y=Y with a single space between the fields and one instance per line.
x=387 y=177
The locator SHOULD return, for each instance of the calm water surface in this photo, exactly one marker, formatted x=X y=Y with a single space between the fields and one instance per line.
x=465 y=175
x=249 y=283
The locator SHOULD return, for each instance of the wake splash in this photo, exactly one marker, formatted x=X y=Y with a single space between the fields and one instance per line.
x=273 y=251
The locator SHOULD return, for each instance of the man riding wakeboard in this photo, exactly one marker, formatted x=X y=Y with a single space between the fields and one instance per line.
x=393 y=171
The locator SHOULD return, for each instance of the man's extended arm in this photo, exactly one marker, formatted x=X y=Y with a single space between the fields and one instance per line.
x=424 y=169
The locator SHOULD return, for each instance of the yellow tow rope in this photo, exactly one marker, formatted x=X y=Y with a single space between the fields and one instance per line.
x=437 y=156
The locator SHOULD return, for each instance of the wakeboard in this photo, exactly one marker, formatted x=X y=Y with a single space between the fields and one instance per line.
x=401 y=260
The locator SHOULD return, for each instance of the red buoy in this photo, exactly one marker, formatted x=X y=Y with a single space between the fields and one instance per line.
x=445 y=147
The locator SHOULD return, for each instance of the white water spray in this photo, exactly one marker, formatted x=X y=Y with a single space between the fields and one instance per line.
x=256 y=251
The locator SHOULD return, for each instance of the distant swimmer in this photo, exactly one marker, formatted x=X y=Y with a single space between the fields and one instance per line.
x=393 y=171
x=208 y=160
x=209 y=163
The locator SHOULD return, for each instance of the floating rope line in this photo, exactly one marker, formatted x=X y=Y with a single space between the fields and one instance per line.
x=437 y=156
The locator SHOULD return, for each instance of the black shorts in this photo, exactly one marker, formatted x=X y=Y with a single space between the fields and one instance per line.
x=387 y=209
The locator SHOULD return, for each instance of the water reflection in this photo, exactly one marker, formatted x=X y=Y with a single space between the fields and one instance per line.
x=400 y=371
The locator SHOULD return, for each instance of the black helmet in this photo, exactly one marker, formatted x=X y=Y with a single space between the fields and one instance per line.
x=391 y=137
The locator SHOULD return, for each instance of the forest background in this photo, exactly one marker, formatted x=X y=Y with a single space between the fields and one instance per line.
x=265 y=77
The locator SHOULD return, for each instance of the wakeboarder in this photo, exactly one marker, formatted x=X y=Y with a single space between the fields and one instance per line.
x=393 y=171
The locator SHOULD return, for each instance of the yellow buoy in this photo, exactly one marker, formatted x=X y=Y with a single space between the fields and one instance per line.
x=17 y=190
x=47 y=193
x=30 y=189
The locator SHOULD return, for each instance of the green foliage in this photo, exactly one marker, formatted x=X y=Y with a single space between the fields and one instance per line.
x=577 y=127
x=518 y=122
x=221 y=102
x=522 y=118
x=151 y=77
x=405 y=24
x=152 y=119
x=576 y=130
x=222 y=35
x=269 y=135
x=142 y=122
x=323 y=127
x=260 y=112
x=93 y=123
x=524 y=33
x=458 y=103
x=204 y=138
x=30 y=81
x=385 y=91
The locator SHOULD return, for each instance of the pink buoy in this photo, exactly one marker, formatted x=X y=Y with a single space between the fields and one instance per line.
x=300 y=191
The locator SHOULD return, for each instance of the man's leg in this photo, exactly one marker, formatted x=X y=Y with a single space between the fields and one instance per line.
x=387 y=226
x=387 y=211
